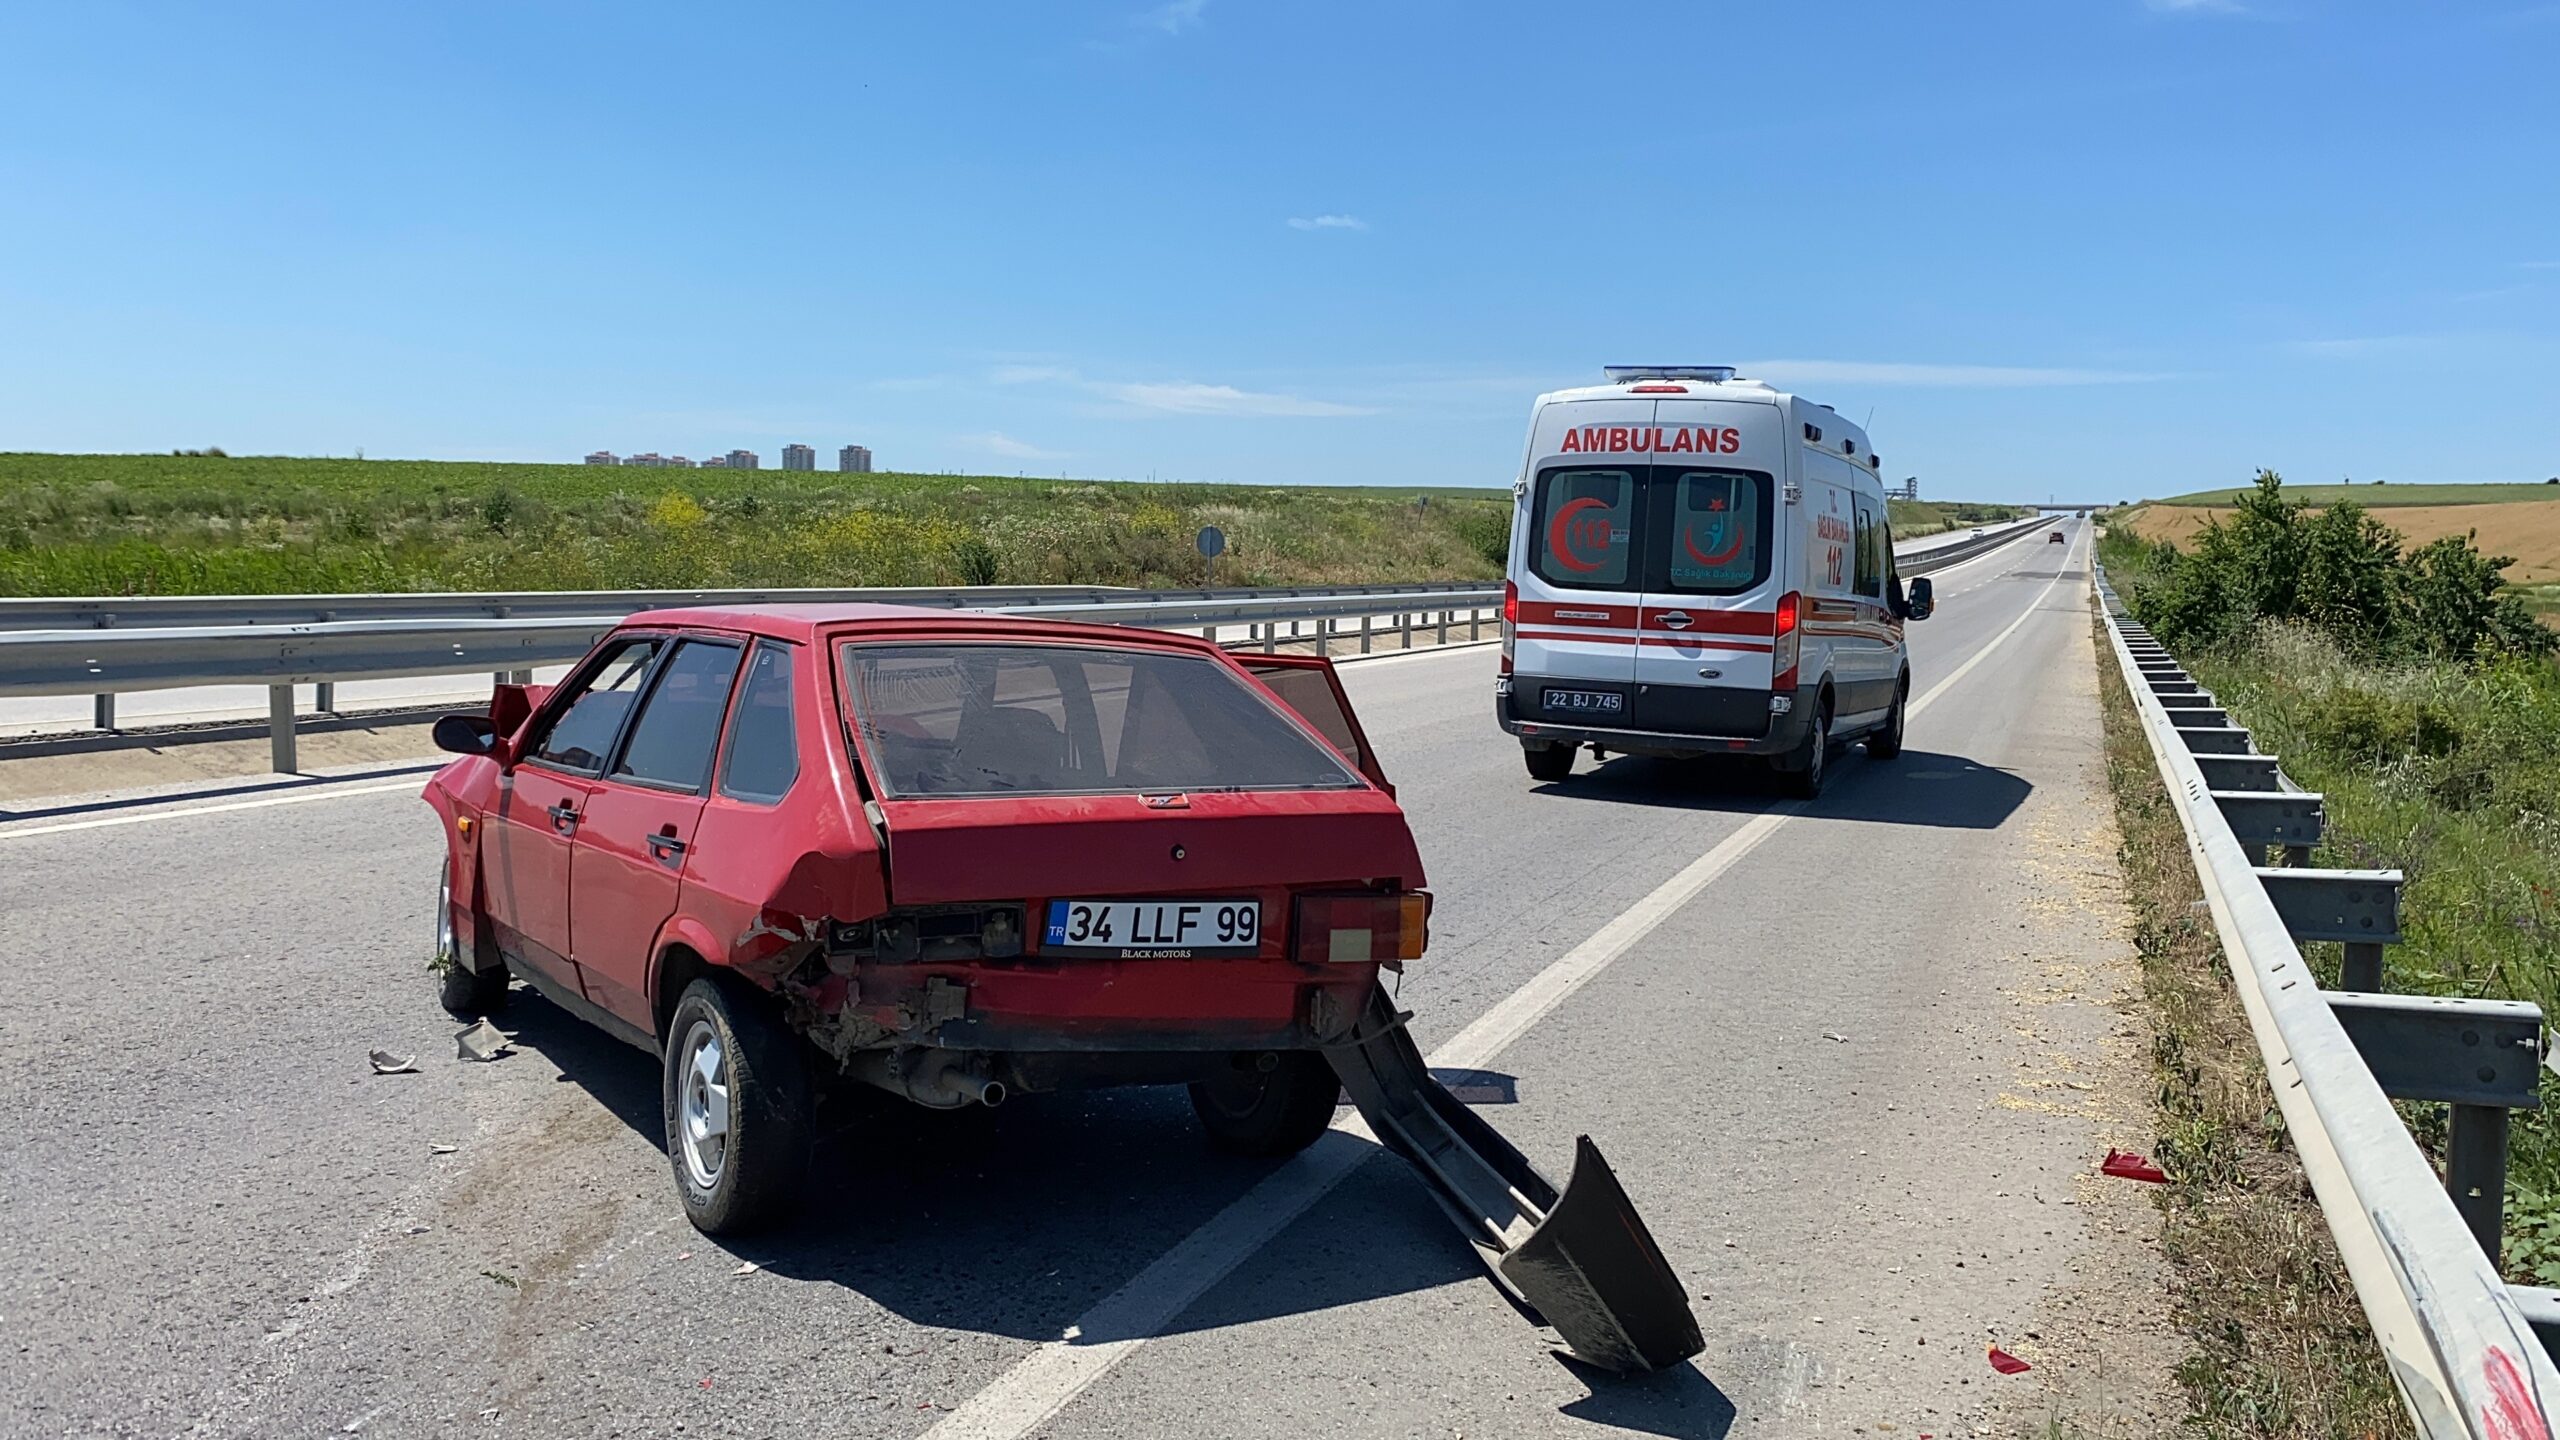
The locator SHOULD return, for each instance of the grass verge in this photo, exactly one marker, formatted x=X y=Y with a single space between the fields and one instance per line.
x=2281 y=1348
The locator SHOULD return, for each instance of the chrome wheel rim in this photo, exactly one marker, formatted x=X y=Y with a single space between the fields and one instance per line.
x=702 y=1105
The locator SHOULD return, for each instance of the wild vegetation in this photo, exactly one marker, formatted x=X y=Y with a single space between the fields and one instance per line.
x=206 y=523
x=2423 y=702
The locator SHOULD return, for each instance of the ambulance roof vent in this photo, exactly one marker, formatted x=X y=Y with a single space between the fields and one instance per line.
x=1630 y=374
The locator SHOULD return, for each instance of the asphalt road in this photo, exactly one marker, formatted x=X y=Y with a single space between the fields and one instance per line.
x=1856 y=1061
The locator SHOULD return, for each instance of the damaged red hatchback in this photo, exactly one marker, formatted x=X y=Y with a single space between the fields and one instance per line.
x=957 y=856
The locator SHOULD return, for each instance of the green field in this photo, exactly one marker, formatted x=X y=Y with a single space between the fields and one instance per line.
x=2382 y=494
x=208 y=525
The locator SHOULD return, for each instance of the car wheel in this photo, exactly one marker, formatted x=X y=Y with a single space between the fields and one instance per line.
x=1248 y=1110
x=1886 y=742
x=737 y=1110
x=465 y=993
x=1805 y=781
x=1550 y=763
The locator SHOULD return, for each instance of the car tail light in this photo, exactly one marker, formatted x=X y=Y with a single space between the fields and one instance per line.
x=1782 y=649
x=1657 y=389
x=1510 y=621
x=1350 y=929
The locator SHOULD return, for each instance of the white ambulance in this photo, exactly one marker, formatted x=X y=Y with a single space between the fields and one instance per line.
x=1701 y=565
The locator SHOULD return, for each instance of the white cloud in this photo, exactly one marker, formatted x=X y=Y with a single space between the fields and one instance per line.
x=1328 y=222
x=1951 y=377
x=1012 y=449
x=1175 y=17
x=1189 y=397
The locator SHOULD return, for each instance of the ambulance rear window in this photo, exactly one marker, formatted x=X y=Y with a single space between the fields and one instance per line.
x=1714 y=527
x=1585 y=531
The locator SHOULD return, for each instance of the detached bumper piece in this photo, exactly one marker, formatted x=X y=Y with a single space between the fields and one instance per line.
x=1582 y=1258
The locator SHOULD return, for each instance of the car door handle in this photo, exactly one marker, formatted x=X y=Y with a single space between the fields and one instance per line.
x=1675 y=620
x=563 y=815
x=663 y=846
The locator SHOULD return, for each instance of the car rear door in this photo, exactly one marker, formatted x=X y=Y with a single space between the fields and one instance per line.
x=543 y=800
x=628 y=863
x=1311 y=686
x=1713 y=570
x=1575 y=562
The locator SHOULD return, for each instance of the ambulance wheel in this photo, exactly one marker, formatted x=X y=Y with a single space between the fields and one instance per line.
x=1804 y=782
x=737 y=1110
x=1550 y=763
x=1886 y=741
x=1249 y=1110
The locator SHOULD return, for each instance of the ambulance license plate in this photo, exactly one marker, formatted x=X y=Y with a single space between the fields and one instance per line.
x=1586 y=702
x=1153 y=929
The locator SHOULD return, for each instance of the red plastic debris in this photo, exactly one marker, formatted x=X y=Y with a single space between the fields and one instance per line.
x=2006 y=1363
x=2125 y=1165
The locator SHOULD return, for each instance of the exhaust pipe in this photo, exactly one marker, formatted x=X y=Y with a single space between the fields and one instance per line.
x=934 y=1078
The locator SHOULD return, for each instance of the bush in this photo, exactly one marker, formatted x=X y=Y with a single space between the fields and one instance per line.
x=2340 y=572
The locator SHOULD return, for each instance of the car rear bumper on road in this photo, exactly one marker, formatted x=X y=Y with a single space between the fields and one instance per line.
x=1783 y=734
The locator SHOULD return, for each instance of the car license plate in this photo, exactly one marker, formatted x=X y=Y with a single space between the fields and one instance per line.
x=1586 y=702
x=1153 y=929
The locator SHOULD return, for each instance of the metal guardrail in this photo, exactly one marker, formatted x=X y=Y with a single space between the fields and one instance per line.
x=2467 y=1351
x=105 y=646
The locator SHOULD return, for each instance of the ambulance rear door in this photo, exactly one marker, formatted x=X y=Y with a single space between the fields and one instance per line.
x=1575 y=556
x=1714 y=567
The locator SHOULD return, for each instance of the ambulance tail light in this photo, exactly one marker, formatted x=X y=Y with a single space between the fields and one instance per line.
x=1510 y=622
x=1357 y=929
x=1782 y=656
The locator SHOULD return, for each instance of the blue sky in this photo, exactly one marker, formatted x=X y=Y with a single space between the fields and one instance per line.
x=2094 y=249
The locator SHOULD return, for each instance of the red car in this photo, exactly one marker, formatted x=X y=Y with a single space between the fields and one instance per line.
x=956 y=856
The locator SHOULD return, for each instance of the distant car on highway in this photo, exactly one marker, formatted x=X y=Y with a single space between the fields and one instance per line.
x=2055 y=538
x=1701 y=565
x=955 y=856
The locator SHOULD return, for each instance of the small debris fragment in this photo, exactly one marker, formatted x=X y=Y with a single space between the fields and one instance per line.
x=386 y=1063
x=438 y=1147
x=2006 y=1363
x=482 y=1041
x=684 y=1254
x=2125 y=1165
x=1835 y=1035
x=507 y=1280
x=749 y=1268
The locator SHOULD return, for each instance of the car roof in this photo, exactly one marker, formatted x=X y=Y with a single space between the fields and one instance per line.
x=810 y=622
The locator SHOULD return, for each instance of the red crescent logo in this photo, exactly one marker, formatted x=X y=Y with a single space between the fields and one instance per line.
x=1556 y=543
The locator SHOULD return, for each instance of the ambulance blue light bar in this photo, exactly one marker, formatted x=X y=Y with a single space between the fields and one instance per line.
x=1628 y=374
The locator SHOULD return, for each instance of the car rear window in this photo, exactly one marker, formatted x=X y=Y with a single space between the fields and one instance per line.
x=960 y=720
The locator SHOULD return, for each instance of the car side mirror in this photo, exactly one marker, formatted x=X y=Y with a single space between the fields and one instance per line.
x=1923 y=599
x=466 y=734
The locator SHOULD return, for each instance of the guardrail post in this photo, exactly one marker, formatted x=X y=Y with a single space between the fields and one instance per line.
x=1324 y=636
x=2361 y=969
x=1270 y=636
x=324 y=697
x=1404 y=630
x=105 y=713
x=1364 y=632
x=2475 y=1171
x=1475 y=622
x=1444 y=627
x=280 y=728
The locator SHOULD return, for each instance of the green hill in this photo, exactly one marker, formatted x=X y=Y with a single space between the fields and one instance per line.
x=2375 y=495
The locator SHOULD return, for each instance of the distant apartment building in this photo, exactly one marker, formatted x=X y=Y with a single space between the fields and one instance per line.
x=604 y=457
x=854 y=460
x=799 y=457
x=743 y=460
x=646 y=460
x=715 y=463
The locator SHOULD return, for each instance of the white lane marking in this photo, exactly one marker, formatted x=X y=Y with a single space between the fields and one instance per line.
x=1042 y=1383
x=298 y=797
x=1978 y=656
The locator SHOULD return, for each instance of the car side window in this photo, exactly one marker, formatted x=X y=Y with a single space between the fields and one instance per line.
x=679 y=725
x=581 y=732
x=1870 y=542
x=763 y=757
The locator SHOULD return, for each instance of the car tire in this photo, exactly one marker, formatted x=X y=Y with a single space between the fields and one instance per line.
x=465 y=993
x=1281 y=1111
x=1886 y=741
x=1549 y=763
x=738 y=1111
x=1804 y=782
